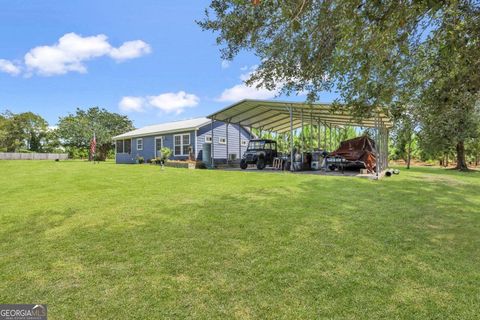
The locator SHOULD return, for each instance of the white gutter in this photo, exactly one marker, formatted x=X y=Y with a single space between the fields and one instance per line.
x=146 y=134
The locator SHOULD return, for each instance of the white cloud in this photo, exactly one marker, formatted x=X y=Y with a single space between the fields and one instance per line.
x=135 y=104
x=8 y=67
x=225 y=64
x=167 y=102
x=173 y=102
x=130 y=50
x=242 y=91
x=72 y=50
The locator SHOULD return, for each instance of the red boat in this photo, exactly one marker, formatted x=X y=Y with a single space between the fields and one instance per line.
x=358 y=153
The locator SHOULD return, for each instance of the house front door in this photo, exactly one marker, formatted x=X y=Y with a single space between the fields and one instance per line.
x=158 y=146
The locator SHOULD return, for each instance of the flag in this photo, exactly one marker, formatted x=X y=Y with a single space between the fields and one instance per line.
x=93 y=147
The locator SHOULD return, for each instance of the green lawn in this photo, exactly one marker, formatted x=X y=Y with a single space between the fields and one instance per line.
x=113 y=241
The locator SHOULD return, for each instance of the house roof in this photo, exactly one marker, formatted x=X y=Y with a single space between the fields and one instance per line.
x=168 y=127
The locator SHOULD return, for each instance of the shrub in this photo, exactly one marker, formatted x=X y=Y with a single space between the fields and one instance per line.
x=165 y=153
x=77 y=153
x=98 y=158
x=140 y=160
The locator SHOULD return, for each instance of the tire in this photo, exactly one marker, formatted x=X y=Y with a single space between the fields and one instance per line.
x=243 y=164
x=261 y=163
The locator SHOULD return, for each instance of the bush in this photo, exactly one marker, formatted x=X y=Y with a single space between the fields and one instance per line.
x=166 y=153
x=77 y=153
x=140 y=160
x=98 y=158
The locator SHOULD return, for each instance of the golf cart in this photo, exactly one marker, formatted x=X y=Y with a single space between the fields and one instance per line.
x=260 y=152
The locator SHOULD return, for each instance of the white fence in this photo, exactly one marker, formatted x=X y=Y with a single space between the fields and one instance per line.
x=32 y=156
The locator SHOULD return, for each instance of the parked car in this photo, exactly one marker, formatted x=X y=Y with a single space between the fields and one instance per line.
x=260 y=152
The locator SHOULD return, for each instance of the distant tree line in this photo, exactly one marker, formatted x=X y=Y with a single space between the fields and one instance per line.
x=29 y=132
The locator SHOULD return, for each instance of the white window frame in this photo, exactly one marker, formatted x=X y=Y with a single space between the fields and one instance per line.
x=208 y=138
x=123 y=144
x=222 y=140
x=140 y=140
x=181 y=145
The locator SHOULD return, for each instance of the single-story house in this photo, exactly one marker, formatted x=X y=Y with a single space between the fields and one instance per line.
x=181 y=137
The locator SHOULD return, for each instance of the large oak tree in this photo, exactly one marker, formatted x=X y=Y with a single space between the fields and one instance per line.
x=77 y=130
x=396 y=53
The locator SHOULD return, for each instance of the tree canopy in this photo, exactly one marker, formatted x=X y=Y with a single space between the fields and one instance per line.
x=421 y=55
x=23 y=131
x=77 y=130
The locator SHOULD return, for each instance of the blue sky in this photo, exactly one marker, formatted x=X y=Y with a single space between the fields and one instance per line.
x=146 y=59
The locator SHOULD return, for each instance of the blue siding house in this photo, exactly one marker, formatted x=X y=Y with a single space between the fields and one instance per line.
x=180 y=137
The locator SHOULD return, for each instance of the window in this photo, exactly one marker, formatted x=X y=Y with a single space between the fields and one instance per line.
x=178 y=145
x=124 y=146
x=127 y=146
x=181 y=144
x=186 y=144
x=222 y=140
x=208 y=139
x=139 y=144
x=256 y=145
x=244 y=142
x=119 y=146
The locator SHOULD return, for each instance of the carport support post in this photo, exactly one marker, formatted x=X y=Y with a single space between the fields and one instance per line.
x=227 y=139
x=212 y=148
x=239 y=141
x=303 y=138
x=311 y=132
x=330 y=137
x=377 y=160
x=319 y=146
x=385 y=148
x=291 y=139
x=325 y=135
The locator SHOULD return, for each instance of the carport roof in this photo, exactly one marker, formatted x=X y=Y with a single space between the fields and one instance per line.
x=275 y=115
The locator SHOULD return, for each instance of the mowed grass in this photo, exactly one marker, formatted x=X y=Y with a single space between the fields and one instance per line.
x=110 y=241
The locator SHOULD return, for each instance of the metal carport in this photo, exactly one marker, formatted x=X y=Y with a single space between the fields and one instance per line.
x=281 y=117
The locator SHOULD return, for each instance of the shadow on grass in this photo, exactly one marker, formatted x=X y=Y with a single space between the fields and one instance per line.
x=283 y=247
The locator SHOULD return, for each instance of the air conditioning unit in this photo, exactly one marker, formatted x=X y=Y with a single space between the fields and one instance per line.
x=232 y=156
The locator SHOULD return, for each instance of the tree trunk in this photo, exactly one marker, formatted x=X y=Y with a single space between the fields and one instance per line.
x=461 y=163
x=102 y=152
x=409 y=153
